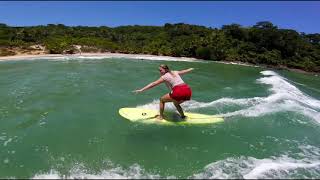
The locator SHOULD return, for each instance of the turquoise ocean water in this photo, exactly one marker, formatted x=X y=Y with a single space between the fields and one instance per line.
x=59 y=119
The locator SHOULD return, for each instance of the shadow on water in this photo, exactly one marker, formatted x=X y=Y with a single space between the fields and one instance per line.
x=28 y=122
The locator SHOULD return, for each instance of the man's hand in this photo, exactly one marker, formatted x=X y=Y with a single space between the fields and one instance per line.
x=137 y=91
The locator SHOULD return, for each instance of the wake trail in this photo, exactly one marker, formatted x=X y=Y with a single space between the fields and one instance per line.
x=284 y=97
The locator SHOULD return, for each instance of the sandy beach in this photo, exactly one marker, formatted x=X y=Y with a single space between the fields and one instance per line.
x=97 y=55
x=134 y=56
x=114 y=55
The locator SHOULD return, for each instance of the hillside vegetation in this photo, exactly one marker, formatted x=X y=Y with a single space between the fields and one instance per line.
x=262 y=44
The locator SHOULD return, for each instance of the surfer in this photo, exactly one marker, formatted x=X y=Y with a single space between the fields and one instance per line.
x=180 y=91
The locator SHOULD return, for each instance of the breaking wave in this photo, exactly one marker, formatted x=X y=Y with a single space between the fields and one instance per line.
x=284 y=97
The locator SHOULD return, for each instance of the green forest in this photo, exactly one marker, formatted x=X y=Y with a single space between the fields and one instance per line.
x=261 y=44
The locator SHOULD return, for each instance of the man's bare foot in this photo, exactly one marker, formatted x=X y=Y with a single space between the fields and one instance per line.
x=159 y=117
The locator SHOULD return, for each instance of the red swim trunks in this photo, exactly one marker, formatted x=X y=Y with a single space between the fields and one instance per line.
x=181 y=92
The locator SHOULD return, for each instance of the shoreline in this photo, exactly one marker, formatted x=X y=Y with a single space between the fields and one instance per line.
x=97 y=55
x=142 y=57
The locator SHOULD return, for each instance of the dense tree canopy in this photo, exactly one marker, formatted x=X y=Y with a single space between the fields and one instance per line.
x=263 y=43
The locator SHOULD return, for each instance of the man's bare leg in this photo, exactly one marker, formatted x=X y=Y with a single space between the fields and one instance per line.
x=177 y=105
x=163 y=100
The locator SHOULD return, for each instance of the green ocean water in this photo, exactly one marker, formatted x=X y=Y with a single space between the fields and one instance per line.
x=59 y=119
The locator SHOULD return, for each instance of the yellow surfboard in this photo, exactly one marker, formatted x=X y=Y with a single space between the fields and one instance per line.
x=170 y=118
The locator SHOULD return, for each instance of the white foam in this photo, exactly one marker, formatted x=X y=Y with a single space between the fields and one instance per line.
x=80 y=172
x=222 y=102
x=265 y=166
x=281 y=87
x=6 y=161
x=282 y=166
x=2 y=138
x=302 y=164
x=81 y=57
x=268 y=73
x=284 y=97
x=192 y=104
x=6 y=142
x=253 y=168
